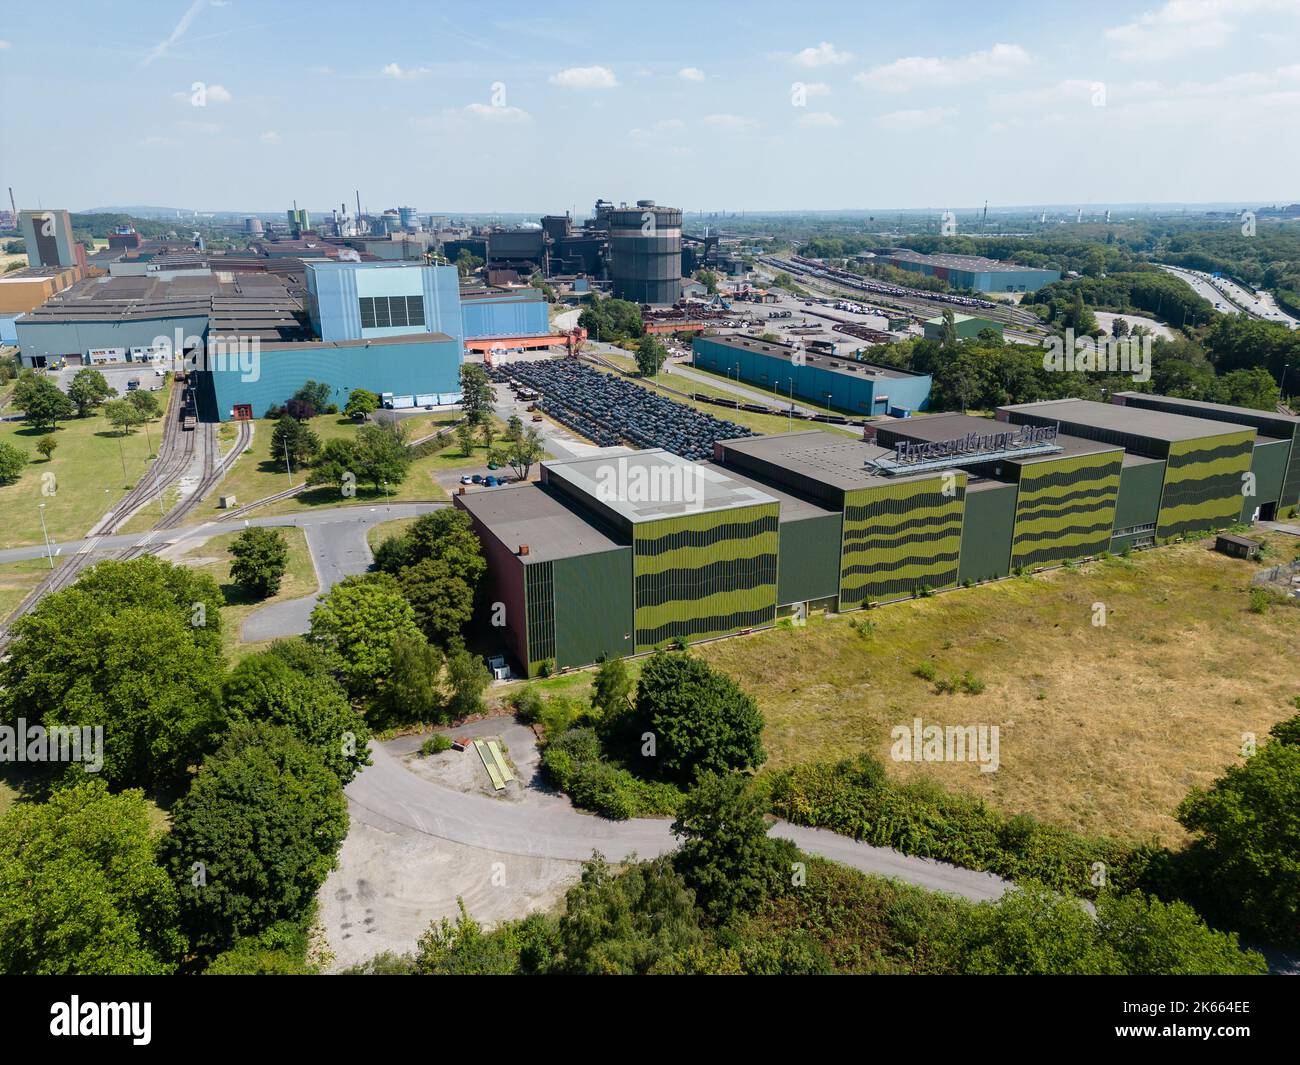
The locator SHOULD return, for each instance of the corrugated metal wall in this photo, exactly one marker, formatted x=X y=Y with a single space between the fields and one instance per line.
x=808 y=568
x=1203 y=483
x=594 y=616
x=987 y=528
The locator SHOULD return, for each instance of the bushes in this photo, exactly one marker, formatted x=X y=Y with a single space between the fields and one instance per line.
x=855 y=800
x=574 y=761
x=435 y=744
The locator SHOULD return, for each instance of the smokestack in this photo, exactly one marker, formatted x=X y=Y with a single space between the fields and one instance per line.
x=358 y=205
x=13 y=206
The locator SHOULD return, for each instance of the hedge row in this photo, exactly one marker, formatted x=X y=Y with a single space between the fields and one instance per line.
x=853 y=798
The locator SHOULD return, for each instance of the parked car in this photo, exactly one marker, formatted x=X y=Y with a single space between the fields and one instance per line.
x=491 y=481
x=477 y=478
x=466 y=479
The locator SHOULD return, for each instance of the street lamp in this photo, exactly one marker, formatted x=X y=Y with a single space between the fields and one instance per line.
x=49 y=553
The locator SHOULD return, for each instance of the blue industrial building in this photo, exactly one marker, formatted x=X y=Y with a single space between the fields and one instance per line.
x=515 y=313
x=972 y=272
x=362 y=301
x=843 y=383
x=414 y=370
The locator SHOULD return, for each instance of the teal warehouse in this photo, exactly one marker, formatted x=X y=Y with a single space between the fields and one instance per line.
x=845 y=384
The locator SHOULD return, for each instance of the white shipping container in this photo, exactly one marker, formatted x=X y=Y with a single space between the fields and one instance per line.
x=403 y=402
x=429 y=399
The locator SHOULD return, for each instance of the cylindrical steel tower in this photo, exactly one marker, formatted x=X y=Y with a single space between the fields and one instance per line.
x=645 y=253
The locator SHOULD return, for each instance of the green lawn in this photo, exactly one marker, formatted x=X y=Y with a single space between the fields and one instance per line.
x=19 y=578
x=214 y=559
x=78 y=485
x=256 y=475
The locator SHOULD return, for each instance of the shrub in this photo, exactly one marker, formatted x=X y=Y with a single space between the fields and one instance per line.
x=436 y=744
x=852 y=797
x=527 y=704
x=926 y=671
x=1260 y=600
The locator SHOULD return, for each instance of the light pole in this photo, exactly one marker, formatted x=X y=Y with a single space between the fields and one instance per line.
x=122 y=453
x=49 y=553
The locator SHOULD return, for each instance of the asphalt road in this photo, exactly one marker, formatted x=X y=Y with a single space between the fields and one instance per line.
x=193 y=535
x=338 y=549
x=387 y=794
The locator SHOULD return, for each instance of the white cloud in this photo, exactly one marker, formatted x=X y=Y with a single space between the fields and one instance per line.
x=157 y=141
x=931 y=72
x=200 y=127
x=1181 y=26
x=920 y=118
x=321 y=70
x=735 y=123
x=585 y=78
x=497 y=114
x=270 y=137
x=219 y=94
x=392 y=70
x=820 y=119
x=824 y=55
x=691 y=74
x=4 y=46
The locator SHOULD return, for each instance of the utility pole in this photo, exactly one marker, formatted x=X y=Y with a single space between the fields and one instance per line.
x=49 y=553
x=288 y=469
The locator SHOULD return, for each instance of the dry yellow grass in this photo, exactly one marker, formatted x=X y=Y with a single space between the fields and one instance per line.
x=1102 y=729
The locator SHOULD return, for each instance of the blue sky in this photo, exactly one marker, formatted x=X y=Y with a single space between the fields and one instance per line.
x=538 y=107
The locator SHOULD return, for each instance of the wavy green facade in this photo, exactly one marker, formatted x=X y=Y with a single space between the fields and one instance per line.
x=1203 y=483
x=1065 y=509
x=899 y=538
x=704 y=575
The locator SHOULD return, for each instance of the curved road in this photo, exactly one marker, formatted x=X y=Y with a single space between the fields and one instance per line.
x=388 y=794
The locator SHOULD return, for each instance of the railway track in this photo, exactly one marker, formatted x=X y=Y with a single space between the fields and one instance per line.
x=843 y=283
x=175 y=456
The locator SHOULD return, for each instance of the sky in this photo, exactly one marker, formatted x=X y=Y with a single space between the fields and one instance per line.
x=236 y=105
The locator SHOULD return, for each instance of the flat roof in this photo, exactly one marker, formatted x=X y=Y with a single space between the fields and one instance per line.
x=821 y=457
x=975 y=263
x=1200 y=404
x=822 y=360
x=528 y=514
x=1137 y=421
x=405 y=338
x=793 y=507
x=652 y=484
x=934 y=427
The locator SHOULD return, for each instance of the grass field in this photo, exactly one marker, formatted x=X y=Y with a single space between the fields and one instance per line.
x=256 y=475
x=769 y=424
x=213 y=558
x=17 y=579
x=78 y=485
x=1102 y=729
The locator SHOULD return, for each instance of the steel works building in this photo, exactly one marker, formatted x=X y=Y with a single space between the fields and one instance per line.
x=398 y=329
x=970 y=271
x=837 y=381
x=615 y=555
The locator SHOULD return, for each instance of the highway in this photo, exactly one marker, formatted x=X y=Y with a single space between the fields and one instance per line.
x=1228 y=297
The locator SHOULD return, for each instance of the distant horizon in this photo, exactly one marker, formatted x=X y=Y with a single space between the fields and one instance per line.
x=1150 y=207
